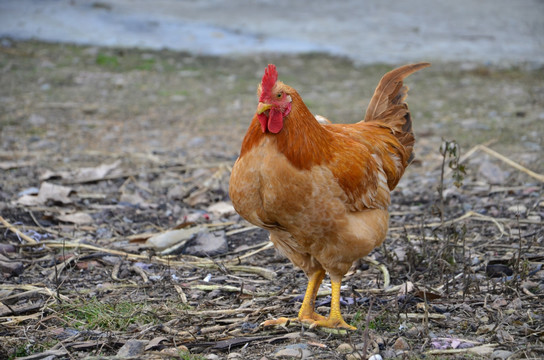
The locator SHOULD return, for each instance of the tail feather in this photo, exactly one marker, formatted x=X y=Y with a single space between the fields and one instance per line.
x=387 y=104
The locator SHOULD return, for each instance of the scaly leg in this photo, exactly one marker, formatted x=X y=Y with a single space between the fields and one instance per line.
x=306 y=313
x=307 y=309
x=335 y=319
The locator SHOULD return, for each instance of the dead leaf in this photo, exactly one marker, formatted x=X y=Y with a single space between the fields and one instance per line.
x=169 y=238
x=78 y=218
x=155 y=342
x=406 y=288
x=48 y=191
x=428 y=295
x=222 y=209
x=483 y=350
x=83 y=175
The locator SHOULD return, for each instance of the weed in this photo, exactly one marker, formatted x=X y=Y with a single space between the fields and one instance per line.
x=107 y=61
x=185 y=355
x=94 y=314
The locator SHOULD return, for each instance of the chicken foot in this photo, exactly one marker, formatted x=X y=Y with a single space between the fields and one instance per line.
x=335 y=319
x=307 y=312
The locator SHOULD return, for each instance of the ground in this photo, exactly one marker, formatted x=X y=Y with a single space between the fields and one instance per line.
x=102 y=147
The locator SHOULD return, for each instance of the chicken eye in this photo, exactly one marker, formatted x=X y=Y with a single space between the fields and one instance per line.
x=279 y=95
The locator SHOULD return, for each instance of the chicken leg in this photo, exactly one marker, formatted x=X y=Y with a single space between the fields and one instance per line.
x=307 y=312
x=335 y=319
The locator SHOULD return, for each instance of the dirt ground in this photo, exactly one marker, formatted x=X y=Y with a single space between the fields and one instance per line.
x=100 y=149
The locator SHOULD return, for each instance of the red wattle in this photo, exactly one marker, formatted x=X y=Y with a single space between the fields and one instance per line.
x=263 y=120
x=275 y=121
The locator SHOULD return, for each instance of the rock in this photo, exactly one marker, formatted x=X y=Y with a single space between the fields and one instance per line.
x=401 y=344
x=234 y=355
x=297 y=353
x=515 y=304
x=222 y=209
x=6 y=248
x=89 y=109
x=132 y=348
x=375 y=357
x=211 y=357
x=207 y=244
x=493 y=173
x=10 y=267
x=389 y=354
x=354 y=356
x=36 y=120
x=500 y=355
x=78 y=218
x=169 y=238
x=344 y=348
x=517 y=209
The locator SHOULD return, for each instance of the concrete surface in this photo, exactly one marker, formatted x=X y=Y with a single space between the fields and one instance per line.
x=393 y=31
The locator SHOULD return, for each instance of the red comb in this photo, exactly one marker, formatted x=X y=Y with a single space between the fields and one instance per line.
x=269 y=79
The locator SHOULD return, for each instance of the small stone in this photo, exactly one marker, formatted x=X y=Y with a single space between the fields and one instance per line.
x=234 y=355
x=353 y=356
x=501 y=355
x=518 y=209
x=515 y=304
x=36 y=120
x=10 y=268
x=375 y=357
x=344 y=348
x=119 y=82
x=298 y=353
x=6 y=248
x=132 y=348
x=222 y=209
x=89 y=109
x=493 y=173
x=211 y=357
x=401 y=344
x=414 y=332
x=207 y=244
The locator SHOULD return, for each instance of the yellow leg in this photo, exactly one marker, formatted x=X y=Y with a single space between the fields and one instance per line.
x=306 y=313
x=335 y=319
x=307 y=309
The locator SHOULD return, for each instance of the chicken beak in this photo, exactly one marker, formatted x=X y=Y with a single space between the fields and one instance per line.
x=262 y=107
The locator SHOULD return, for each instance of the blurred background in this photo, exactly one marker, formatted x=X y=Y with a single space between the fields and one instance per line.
x=132 y=112
x=394 y=31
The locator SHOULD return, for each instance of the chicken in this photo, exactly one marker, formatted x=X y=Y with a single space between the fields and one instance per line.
x=322 y=190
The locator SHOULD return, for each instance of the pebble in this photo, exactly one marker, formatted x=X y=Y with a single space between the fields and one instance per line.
x=401 y=344
x=222 y=209
x=518 y=209
x=298 y=351
x=234 y=355
x=9 y=267
x=500 y=355
x=211 y=357
x=353 y=356
x=414 y=332
x=207 y=244
x=6 y=248
x=344 y=348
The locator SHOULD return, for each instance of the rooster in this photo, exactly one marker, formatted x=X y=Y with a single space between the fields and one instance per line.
x=322 y=190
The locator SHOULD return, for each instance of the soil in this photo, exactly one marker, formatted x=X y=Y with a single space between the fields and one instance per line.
x=99 y=148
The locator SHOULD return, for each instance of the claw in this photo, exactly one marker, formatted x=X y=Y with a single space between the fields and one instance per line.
x=282 y=321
